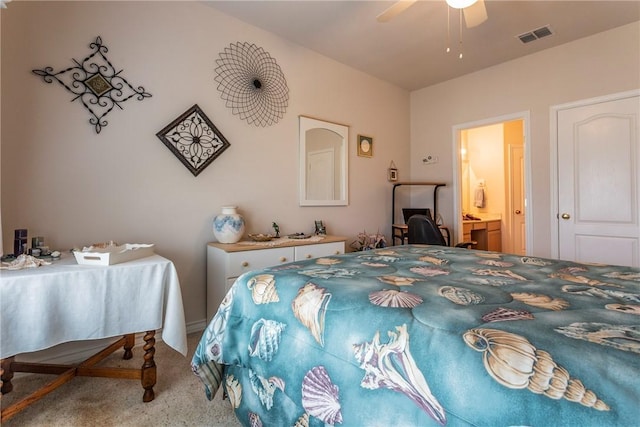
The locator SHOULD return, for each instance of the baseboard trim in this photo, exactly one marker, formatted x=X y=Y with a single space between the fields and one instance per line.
x=197 y=326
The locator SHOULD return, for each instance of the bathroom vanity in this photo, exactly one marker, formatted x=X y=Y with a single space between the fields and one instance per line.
x=487 y=232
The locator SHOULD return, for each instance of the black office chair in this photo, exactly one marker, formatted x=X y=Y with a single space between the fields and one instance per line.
x=423 y=230
x=409 y=212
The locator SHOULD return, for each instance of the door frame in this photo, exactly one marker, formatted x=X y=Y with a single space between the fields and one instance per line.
x=457 y=193
x=553 y=129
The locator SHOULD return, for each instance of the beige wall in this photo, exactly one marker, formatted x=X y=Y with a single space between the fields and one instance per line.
x=63 y=181
x=605 y=63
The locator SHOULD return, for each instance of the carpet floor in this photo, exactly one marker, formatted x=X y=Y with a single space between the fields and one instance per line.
x=103 y=402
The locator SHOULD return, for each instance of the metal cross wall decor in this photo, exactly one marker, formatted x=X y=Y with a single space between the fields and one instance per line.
x=194 y=139
x=96 y=83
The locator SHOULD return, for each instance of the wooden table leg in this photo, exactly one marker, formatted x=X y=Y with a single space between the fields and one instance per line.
x=6 y=374
x=147 y=373
x=128 y=345
x=149 y=367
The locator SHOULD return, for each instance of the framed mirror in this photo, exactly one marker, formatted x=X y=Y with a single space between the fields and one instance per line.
x=323 y=163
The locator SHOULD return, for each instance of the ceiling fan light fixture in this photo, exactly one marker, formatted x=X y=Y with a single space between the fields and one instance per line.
x=460 y=4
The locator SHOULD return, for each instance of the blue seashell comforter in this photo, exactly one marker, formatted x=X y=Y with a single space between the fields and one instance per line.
x=426 y=336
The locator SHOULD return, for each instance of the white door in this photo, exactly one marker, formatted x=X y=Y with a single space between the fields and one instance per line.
x=598 y=182
x=321 y=175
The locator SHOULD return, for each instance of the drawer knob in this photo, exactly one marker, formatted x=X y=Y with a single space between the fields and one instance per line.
x=308 y=256
x=337 y=252
x=283 y=259
x=245 y=263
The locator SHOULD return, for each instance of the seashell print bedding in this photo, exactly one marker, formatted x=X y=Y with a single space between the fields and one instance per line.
x=427 y=336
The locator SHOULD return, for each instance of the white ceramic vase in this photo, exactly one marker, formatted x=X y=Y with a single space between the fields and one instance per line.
x=228 y=226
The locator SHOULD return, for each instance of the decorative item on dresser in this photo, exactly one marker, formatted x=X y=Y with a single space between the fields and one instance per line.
x=226 y=262
x=367 y=241
x=320 y=228
x=228 y=226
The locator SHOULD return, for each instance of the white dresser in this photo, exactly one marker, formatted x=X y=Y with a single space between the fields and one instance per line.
x=225 y=261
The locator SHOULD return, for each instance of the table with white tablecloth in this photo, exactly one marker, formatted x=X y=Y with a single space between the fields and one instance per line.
x=64 y=301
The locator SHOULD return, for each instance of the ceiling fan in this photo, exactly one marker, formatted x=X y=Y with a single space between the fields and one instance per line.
x=474 y=11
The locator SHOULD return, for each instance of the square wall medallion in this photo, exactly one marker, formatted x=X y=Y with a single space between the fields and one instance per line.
x=194 y=139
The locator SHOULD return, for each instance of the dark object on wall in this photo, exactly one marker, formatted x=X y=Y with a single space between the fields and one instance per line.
x=194 y=139
x=392 y=172
x=365 y=146
x=252 y=83
x=96 y=83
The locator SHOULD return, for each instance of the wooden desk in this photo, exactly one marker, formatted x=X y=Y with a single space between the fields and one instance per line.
x=45 y=306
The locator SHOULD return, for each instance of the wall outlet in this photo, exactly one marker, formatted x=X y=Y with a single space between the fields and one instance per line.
x=430 y=159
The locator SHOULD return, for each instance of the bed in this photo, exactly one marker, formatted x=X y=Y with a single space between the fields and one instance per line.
x=419 y=335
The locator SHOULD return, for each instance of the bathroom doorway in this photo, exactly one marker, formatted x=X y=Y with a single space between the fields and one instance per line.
x=491 y=190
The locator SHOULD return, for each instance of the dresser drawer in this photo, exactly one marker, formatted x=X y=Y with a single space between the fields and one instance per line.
x=241 y=262
x=225 y=262
x=319 y=250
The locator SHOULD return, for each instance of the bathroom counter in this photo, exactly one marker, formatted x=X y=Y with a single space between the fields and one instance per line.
x=487 y=232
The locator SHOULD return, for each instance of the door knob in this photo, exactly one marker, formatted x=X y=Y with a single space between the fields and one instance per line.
x=518 y=211
x=565 y=216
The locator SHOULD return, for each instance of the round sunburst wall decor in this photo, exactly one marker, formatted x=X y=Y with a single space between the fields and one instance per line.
x=252 y=84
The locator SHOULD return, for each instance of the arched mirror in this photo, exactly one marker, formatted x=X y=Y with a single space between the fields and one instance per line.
x=323 y=163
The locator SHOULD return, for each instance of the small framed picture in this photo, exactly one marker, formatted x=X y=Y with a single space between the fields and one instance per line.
x=365 y=146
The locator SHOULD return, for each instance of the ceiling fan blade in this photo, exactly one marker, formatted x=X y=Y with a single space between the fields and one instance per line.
x=395 y=9
x=475 y=14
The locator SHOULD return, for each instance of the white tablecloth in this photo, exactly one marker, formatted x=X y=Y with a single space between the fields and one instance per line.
x=49 y=305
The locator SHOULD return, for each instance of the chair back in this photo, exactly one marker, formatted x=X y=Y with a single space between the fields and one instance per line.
x=409 y=212
x=422 y=229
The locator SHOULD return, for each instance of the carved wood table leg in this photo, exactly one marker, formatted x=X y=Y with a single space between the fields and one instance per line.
x=149 y=367
x=128 y=345
x=6 y=373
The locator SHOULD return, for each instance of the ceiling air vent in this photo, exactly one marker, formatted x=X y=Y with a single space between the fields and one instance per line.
x=536 y=34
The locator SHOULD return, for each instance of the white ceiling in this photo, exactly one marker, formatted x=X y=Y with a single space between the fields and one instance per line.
x=409 y=51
